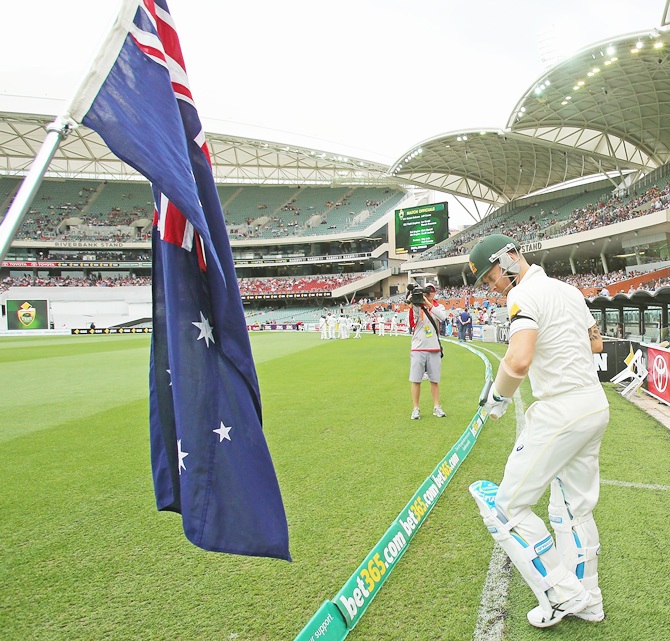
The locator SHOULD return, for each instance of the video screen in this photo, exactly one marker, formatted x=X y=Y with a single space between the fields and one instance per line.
x=27 y=314
x=418 y=228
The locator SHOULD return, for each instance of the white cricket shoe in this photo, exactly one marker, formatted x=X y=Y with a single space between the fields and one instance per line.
x=416 y=414
x=594 y=610
x=439 y=412
x=539 y=618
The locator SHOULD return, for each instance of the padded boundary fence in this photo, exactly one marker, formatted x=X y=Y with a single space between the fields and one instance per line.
x=337 y=617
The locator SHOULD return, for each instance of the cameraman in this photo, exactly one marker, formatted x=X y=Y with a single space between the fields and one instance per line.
x=425 y=315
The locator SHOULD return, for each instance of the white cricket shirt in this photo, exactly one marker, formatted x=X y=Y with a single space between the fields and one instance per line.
x=557 y=311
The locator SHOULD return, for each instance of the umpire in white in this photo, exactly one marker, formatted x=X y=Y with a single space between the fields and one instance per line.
x=552 y=338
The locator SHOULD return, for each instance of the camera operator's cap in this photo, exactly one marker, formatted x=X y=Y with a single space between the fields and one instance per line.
x=431 y=287
x=487 y=252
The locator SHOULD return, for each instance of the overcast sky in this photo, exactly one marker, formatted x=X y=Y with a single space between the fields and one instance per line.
x=368 y=78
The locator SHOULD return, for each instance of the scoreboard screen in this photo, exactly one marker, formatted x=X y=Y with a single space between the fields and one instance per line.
x=418 y=228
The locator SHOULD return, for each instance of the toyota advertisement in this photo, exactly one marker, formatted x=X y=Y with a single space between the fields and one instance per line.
x=658 y=365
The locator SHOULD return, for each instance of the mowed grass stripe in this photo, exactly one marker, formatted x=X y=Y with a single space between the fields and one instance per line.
x=41 y=393
x=29 y=348
x=267 y=345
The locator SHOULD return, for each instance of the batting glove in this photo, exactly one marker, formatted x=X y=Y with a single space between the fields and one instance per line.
x=496 y=405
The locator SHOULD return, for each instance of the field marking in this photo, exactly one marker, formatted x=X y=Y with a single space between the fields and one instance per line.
x=637 y=486
x=490 y=624
x=491 y=616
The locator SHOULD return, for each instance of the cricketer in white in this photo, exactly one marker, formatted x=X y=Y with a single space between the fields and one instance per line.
x=552 y=338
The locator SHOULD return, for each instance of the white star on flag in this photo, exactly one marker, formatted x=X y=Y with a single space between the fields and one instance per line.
x=205 y=329
x=223 y=432
x=182 y=455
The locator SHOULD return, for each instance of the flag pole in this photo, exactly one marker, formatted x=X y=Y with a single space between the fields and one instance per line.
x=56 y=131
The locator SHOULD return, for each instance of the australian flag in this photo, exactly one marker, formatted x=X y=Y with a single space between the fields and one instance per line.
x=209 y=456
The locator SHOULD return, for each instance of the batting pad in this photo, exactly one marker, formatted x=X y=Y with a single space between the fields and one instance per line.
x=577 y=539
x=525 y=557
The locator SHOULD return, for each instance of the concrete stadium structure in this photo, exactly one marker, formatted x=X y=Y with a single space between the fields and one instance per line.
x=594 y=127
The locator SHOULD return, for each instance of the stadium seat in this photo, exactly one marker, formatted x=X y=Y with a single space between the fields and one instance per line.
x=633 y=375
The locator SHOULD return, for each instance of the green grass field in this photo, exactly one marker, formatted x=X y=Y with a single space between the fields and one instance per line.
x=86 y=556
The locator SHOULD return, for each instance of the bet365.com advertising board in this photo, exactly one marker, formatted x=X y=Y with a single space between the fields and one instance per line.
x=27 y=314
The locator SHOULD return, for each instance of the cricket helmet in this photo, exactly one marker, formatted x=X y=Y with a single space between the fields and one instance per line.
x=487 y=252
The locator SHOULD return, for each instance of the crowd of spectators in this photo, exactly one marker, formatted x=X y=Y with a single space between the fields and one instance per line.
x=71 y=281
x=54 y=227
x=276 y=226
x=248 y=286
x=50 y=222
x=116 y=225
x=614 y=210
x=295 y=285
x=326 y=283
x=600 y=282
x=585 y=281
x=38 y=226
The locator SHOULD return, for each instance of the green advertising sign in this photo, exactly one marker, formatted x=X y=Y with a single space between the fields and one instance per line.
x=27 y=314
x=326 y=625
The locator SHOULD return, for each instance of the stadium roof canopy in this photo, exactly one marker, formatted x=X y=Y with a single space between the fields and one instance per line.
x=605 y=110
x=83 y=154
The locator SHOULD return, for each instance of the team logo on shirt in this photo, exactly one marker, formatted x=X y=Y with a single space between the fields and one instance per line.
x=515 y=313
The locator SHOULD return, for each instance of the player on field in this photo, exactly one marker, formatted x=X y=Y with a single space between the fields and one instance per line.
x=552 y=338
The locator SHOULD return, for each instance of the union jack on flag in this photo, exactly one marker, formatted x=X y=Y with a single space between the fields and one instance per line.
x=209 y=456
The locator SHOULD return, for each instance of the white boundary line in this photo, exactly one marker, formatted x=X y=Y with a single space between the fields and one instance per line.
x=637 y=486
x=493 y=601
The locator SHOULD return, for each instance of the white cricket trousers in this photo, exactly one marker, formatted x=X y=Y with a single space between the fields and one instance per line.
x=561 y=439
